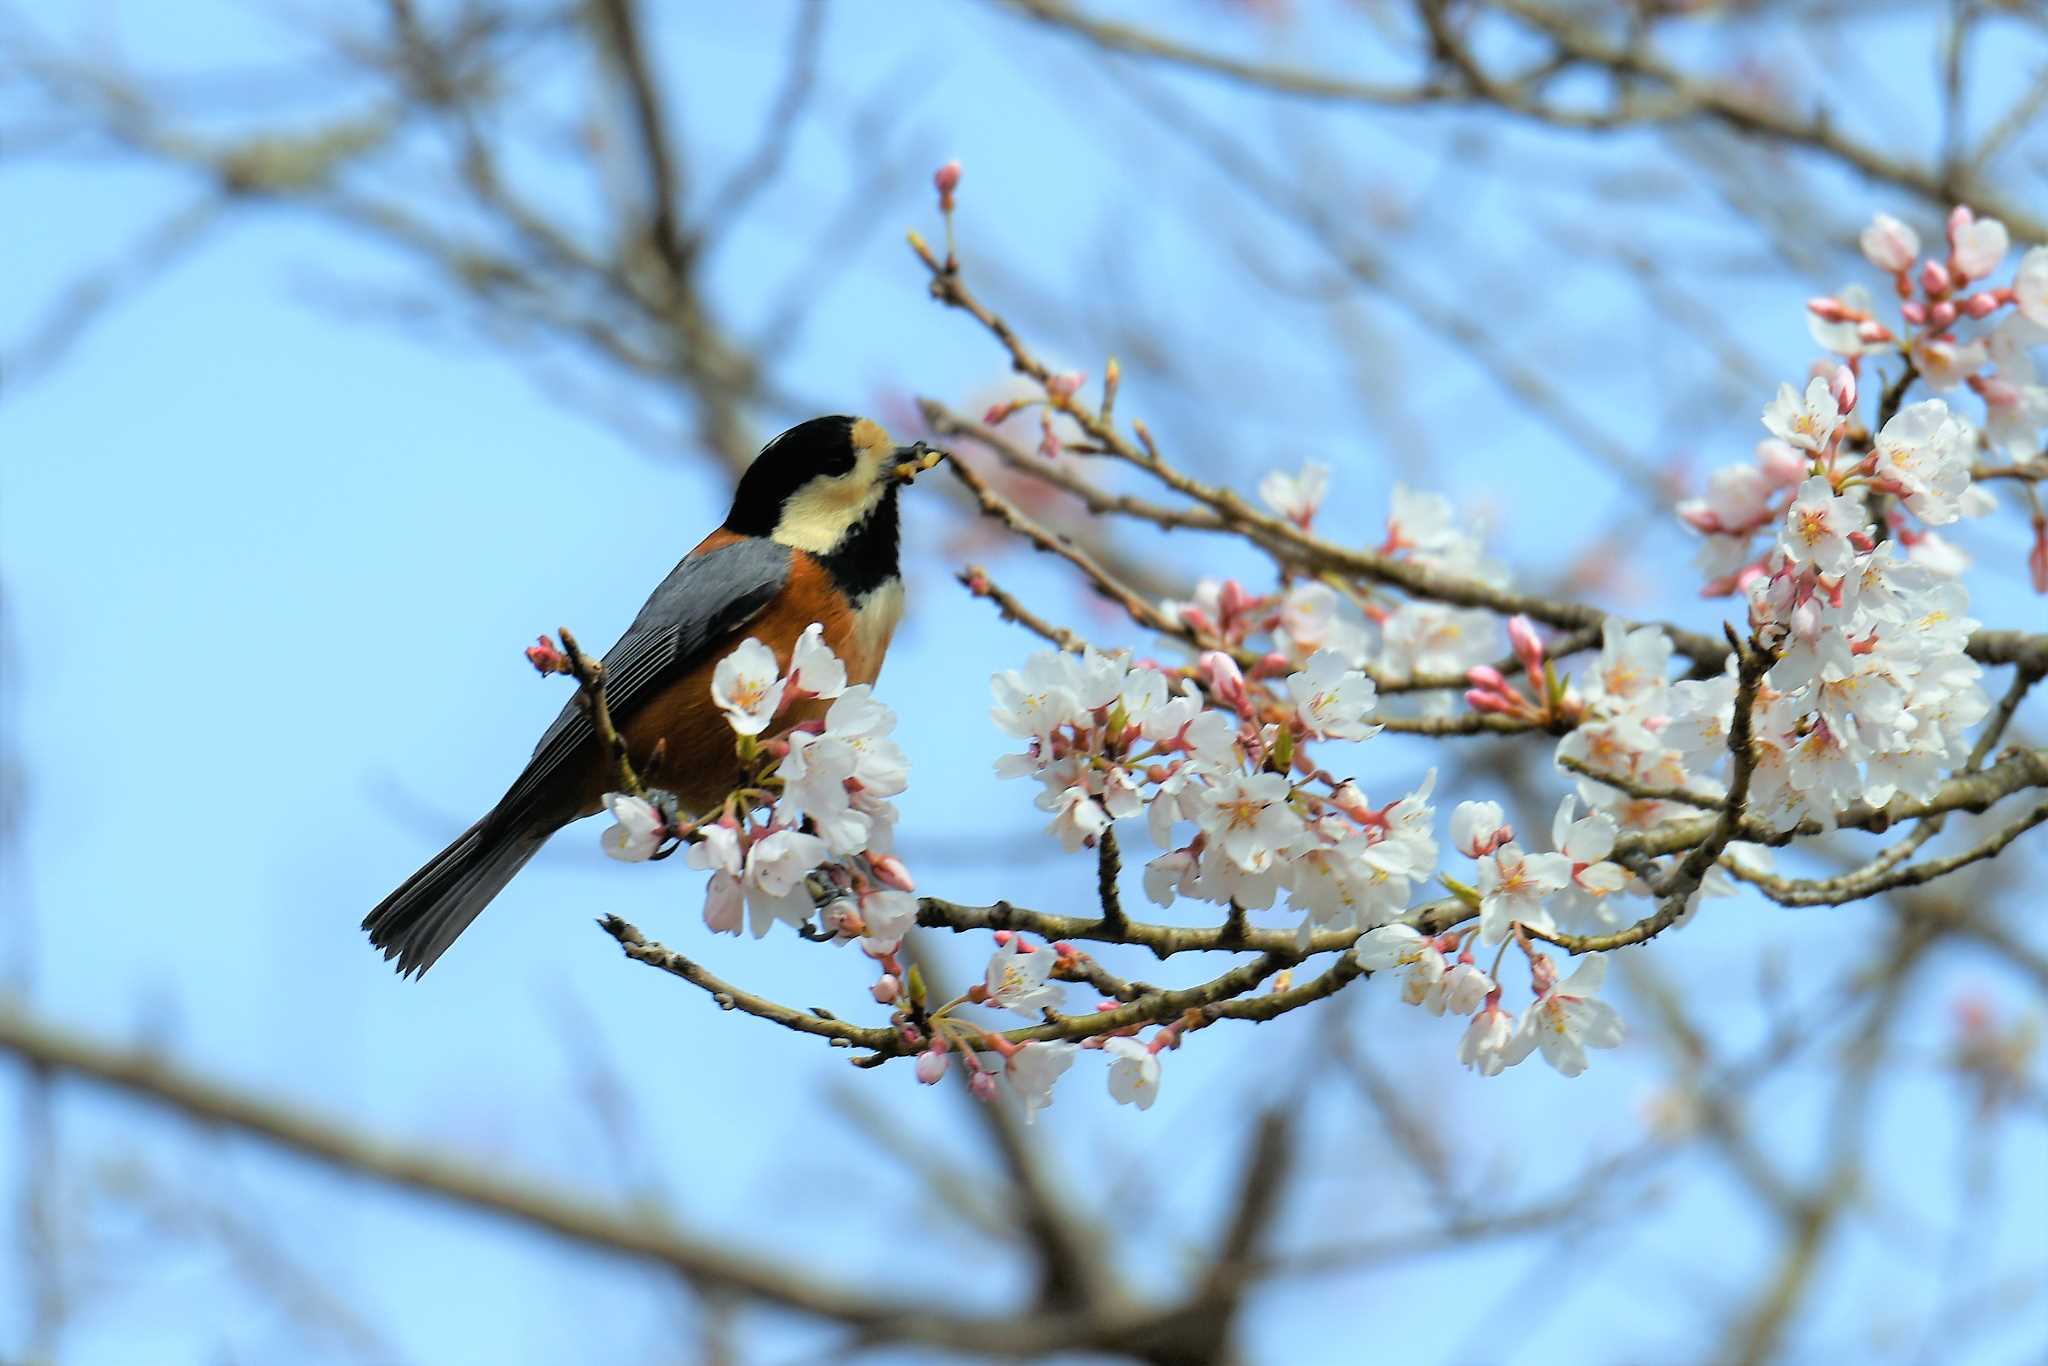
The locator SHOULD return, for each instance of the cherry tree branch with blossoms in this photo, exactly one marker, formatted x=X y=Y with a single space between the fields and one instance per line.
x=1846 y=698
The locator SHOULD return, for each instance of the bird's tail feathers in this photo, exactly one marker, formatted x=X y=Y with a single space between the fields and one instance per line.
x=417 y=923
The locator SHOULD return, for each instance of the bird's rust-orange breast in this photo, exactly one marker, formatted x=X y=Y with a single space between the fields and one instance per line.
x=678 y=738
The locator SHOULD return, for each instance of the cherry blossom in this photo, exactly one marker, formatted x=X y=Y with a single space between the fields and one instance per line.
x=1428 y=638
x=1427 y=525
x=1403 y=946
x=725 y=903
x=1296 y=496
x=717 y=847
x=1977 y=246
x=1248 y=820
x=813 y=667
x=1465 y=988
x=1632 y=667
x=1036 y=701
x=2030 y=286
x=776 y=865
x=638 y=829
x=1487 y=1046
x=1585 y=843
x=1924 y=454
x=863 y=724
x=1479 y=828
x=1078 y=819
x=1890 y=245
x=2015 y=402
x=1016 y=979
x=1842 y=329
x=1134 y=1073
x=1513 y=887
x=747 y=686
x=1170 y=875
x=814 y=777
x=1033 y=1069
x=1809 y=422
x=1333 y=698
x=1817 y=528
x=886 y=915
x=1566 y=1020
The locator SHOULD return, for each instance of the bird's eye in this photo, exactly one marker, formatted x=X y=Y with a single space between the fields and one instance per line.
x=838 y=463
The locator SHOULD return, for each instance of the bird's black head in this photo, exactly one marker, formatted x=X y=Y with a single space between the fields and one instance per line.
x=829 y=486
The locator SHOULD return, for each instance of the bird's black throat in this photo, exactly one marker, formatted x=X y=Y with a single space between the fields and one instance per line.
x=866 y=555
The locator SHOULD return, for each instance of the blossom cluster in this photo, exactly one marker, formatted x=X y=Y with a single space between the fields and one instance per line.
x=1956 y=330
x=1562 y=1021
x=814 y=837
x=1402 y=638
x=1017 y=980
x=1871 y=692
x=1108 y=740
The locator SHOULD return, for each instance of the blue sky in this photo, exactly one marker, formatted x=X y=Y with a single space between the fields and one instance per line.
x=269 y=559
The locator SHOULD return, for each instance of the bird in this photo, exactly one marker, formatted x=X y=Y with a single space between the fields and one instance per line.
x=812 y=537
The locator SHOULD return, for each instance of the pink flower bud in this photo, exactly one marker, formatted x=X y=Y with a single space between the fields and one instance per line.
x=1272 y=664
x=1528 y=645
x=1487 y=677
x=931 y=1064
x=1542 y=973
x=999 y=413
x=545 y=657
x=1942 y=313
x=982 y=1086
x=1195 y=619
x=1827 y=310
x=1232 y=598
x=889 y=870
x=1984 y=304
x=1842 y=384
x=1064 y=386
x=1959 y=218
x=1225 y=679
x=1934 y=279
x=1871 y=330
x=1003 y=937
x=887 y=989
x=1488 y=701
x=947 y=178
x=1913 y=311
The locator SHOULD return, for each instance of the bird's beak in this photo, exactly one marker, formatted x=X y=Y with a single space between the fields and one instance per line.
x=911 y=461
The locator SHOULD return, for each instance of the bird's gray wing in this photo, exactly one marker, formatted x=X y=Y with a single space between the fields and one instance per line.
x=699 y=605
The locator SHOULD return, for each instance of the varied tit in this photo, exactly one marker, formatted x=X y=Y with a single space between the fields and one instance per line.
x=812 y=537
